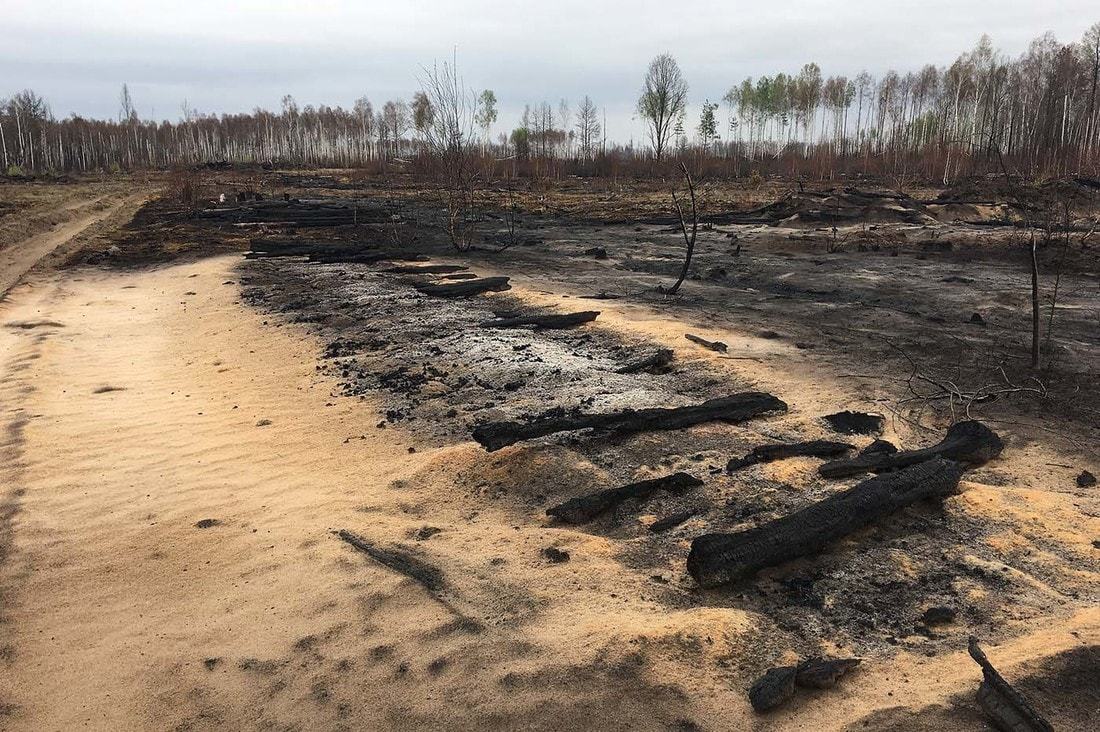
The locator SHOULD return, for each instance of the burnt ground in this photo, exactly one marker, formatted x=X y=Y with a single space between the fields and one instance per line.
x=870 y=304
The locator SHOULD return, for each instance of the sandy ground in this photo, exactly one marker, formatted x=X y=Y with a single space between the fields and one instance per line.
x=136 y=408
x=174 y=466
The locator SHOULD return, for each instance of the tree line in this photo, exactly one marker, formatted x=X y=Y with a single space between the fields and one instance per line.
x=1038 y=113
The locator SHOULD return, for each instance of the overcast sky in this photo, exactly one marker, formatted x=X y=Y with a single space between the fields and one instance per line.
x=234 y=55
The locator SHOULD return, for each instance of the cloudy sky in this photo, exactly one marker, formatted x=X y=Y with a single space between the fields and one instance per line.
x=234 y=55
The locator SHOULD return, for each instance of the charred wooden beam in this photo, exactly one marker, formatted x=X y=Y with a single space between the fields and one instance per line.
x=544 y=322
x=465 y=288
x=583 y=509
x=364 y=257
x=731 y=409
x=716 y=559
x=1006 y=707
x=770 y=453
x=412 y=269
x=969 y=442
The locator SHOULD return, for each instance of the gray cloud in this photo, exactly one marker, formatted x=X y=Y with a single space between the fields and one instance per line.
x=234 y=57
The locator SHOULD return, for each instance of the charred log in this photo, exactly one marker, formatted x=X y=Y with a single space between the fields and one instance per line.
x=661 y=358
x=969 y=442
x=363 y=257
x=1007 y=708
x=408 y=269
x=770 y=453
x=855 y=423
x=731 y=409
x=583 y=509
x=717 y=559
x=544 y=322
x=823 y=673
x=772 y=689
x=465 y=288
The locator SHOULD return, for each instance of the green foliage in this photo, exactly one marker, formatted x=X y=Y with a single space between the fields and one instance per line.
x=486 y=113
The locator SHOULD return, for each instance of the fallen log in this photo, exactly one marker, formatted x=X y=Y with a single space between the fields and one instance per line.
x=716 y=559
x=730 y=409
x=778 y=685
x=855 y=423
x=823 y=673
x=361 y=257
x=969 y=442
x=274 y=247
x=1006 y=707
x=771 y=453
x=712 y=345
x=464 y=288
x=544 y=322
x=583 y=509
x=661 y=357
x=425 y=269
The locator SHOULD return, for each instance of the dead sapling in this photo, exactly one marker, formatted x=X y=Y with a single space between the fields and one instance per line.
x=689 y=240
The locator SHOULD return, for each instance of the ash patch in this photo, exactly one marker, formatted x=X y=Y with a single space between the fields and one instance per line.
x=440 y=370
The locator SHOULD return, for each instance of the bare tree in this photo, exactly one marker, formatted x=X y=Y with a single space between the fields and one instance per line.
x=689 y=240
x=663 y=99
x=588 y=127
x=126 y=111
x=451 y=142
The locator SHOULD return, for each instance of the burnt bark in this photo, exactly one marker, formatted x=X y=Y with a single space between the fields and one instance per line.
x=425 y=269
x=772 y=689
x=769 y=453
x=731 y=409
x=1007 y=708
x=544 y=322
x=661 y=357
x=584 y=508
x=464 y=288
x=343 y=256
x=969 y=442
x=717 y=559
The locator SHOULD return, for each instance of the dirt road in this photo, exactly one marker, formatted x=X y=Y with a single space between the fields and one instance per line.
x=18 y=259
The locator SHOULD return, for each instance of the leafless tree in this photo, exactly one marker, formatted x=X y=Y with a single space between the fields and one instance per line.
x=663 y=99
x=689 y=239
x=588 y=127
x=452 y=144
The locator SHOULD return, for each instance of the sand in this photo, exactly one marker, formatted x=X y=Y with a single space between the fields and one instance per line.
x=174 y=467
